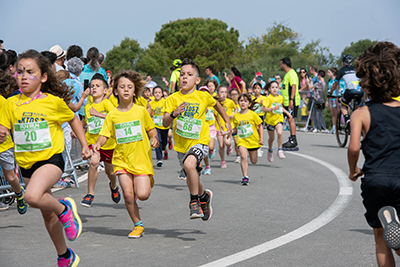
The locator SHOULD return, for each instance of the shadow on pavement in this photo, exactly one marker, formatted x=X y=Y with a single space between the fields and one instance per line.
x=363 y=231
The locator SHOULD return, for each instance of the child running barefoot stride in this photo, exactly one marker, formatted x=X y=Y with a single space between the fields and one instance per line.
x=379 y=70
x=187 y=110
x=95 y=113
x=248 y=126
x=36 y=116
x=8 y=84
x=274 y=119
x=130 y=125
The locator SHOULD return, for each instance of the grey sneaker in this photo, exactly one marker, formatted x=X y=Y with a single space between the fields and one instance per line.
x=4 y=206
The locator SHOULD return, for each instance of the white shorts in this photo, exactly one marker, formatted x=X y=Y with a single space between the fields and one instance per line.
x=7 y=161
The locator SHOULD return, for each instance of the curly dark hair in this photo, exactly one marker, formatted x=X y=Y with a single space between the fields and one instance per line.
x=8 y=84
x=134 y=77
x=248 y=97
x=52 y=85
x=379 y=70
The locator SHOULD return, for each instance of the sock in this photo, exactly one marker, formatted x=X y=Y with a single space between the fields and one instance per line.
x=19 y=195
x=139 y=223
x=66 y=255
x=194 y=197
x=279 y=148
x=204 y=197
x=270 y=150
x=65 y=209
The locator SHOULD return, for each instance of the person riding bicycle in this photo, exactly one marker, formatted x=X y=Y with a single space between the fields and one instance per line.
x=352 y=91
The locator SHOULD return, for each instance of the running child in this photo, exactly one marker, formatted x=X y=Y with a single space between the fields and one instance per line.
x=8 y=84
x=274 y=119
x=234 y=95
x=379 y=70
x=36 y=116
x=187 y=110
x=131 y=126
x=223 y=135
x=157 y=107
x=212 y=85
x=250 y=131
x=210 y=119
x=95 y=113
x=259 y=104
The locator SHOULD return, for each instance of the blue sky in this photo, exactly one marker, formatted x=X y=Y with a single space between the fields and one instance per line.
x=42 y=24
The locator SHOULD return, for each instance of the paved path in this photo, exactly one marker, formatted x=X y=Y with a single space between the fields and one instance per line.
x=295 y=212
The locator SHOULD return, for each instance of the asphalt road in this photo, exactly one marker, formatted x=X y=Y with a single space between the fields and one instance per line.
x=288 y=199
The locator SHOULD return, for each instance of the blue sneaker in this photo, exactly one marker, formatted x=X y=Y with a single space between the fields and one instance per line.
x=72 y=261
x=212 y=154
x=22 y=206
x=207 y=170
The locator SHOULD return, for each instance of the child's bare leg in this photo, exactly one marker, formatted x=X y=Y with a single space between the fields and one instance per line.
x=253 y=156
x=211 y=146
x=207 y=161
x=384 y=254
x=126 y=183
x=221 y=147
x=55 y=230
x=192 y=179
x=236 y=148
x=12 y=179
x=243 y=160
x=92 y=173
x=142 y=187
x=109 y=170
x=279 y=131
x=271 y=137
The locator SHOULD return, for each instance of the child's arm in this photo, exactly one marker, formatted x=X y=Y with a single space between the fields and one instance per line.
x=154 y=138
x=94 y=112
x=3 y=133
x=286 y=113
x=260 y=130
x=78 y=130
x=168 y=118
x=223 y=114
x=354 y=146
x=99 y=143
x=78 y=105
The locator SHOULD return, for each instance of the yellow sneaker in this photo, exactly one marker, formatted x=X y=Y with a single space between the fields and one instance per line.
x=137 y=232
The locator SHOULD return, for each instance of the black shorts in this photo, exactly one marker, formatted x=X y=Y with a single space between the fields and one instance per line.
x=272 y=127
x=293 y=112
x=357 y=95
x=253 y=149
x=56 y=159
x=379 y=190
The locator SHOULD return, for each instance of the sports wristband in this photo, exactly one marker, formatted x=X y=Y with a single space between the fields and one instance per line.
x=172 y=115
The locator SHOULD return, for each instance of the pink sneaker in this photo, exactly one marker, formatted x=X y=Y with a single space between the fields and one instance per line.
x=280 y=154
x=229 y=151
x=73 y=260
x=223 y=165
x=270 y=156
x=70 y=219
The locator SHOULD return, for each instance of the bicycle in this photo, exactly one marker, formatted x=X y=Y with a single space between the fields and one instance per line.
x=342 y=128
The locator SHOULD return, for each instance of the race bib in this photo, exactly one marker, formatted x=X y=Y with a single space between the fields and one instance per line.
x=245 y=130
x=210 y=115
x=128 y=132
x=258 y=108
x=279 y=110
x=33 y=136
x=188 y=127
x=95 y=124
x=158 y=120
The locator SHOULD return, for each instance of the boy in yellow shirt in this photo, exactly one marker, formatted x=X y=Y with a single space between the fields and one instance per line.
x=187 y=110
x=95 y=113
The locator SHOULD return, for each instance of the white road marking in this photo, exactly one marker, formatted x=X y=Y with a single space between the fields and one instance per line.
x=340 y=203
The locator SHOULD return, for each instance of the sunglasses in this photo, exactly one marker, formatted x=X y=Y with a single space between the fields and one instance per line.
x=302 y=72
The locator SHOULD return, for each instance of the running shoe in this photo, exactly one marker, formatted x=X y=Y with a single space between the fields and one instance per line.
x=391 y=226
x=212 y=154
x=229 y=151
x=182 y=175
x=195 y=210
x=270 y=156
x=207 y=170
x=115 y=194
x=245 y=181
x=22 y=206
x=260 y=153
x=223 y=165
x=3 y=206
x=170 y=147
x=206 y=206
x=87 y=200
x=237 y=160
x=72 y=261
x=159 y=163
x=137 y=232
x=280 y=154
x=62 y=184
x=70 y=219
x=165 y=154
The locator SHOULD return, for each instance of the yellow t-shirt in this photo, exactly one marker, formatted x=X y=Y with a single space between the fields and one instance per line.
x=141 y=102
x=132 y=152
x=246 y=125
x=8 y=143
x=258 y=107
x=229 y=107
x=210 y=116
x=304 y=110
x=36 y=127
x=94 y=124
x=190 y=128
x=276 y=116
x=397 y=98
x=158 y=113
x=114 y=100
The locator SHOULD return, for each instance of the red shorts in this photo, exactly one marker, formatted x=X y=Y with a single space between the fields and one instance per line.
x=105 y=155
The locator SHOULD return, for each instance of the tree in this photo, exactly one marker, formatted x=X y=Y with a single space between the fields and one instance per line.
x=207 y=41
x=154 y=60
x=123 y=56
x=356 y=49
x=321 y=54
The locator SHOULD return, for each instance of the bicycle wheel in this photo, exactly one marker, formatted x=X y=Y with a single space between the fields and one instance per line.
x=341 y=132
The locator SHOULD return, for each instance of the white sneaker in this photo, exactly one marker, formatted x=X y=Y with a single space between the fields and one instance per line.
x=315 y=130
x=237 y=160
x=280 y=154
x=260 y=153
